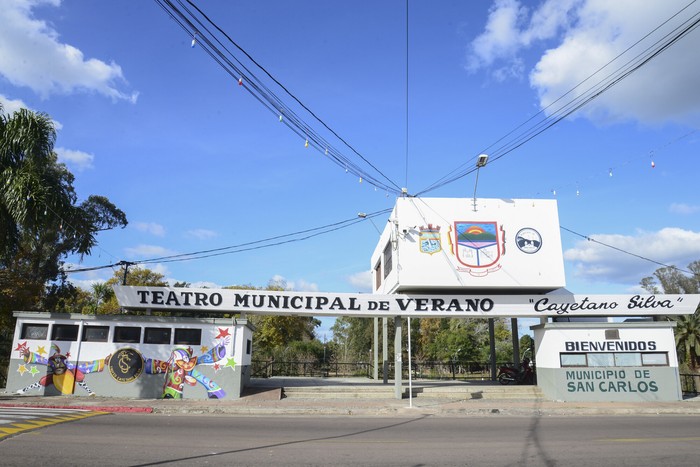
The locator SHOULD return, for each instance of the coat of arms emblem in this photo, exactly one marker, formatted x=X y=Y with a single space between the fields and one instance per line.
x=429 y=239
x=479 y=246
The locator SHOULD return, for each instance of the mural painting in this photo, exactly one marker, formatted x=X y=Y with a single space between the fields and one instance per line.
x=126 y=365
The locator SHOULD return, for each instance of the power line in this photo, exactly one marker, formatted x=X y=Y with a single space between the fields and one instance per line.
x=624 y=251
x=196 y=24
x=578 y=102
x=248 y=246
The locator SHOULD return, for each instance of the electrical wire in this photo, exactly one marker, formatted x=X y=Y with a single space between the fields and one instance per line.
x=196 y=24
x=248 y=246
x=590 y=239
x=578 y=102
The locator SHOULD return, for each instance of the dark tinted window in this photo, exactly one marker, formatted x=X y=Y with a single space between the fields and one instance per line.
x=35 y=331
x=127 y=334
x=95 y=333
x=188 y=336
x=157 y=336
x=65 y=332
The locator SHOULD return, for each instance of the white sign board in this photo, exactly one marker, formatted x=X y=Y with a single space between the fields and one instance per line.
x=370 y=305
x=458 y=243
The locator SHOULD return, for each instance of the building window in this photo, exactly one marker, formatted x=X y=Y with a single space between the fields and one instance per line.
x=35 y=331
x=377 y=275
x=248 y=346
x=65 y=332
x=616 y=359
x=573 y=359
x=655 y=359
x=95 y=333
x=127 y=334
x=188 y=336
x=157 y=336
x=387 y=260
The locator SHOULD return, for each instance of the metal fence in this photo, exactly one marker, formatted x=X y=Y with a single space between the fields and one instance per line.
x=270 y=368
x=458 y=370
x=690 y=384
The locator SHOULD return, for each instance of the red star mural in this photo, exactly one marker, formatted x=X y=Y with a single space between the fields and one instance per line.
x=223 y=332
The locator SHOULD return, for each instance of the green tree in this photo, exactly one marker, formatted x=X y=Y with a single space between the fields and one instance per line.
x=687 y=332
x=278 y=336
x=41 y=221
x=104 y=294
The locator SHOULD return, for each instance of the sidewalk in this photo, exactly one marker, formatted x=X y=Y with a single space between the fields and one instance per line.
x=267 y=403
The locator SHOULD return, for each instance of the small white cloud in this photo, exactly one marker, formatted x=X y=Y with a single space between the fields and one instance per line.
x=148 y=251
x=684 y=209
x=32 y=55
x=201 y=234
x=594 y=261
x=11 y=106
x=151 y=228
x=361 y=281
x=77 y=159
x=299 y=285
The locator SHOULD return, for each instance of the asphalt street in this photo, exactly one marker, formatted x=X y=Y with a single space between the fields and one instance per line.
x=152 y=439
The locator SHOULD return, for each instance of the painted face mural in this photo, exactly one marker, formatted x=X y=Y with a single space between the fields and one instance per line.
x=62 y=374
x=181 y=370
x=126 y=365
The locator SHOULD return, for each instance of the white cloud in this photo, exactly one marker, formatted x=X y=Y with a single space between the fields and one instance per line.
x=151 y=228
x=596 y=262
x=361 y=281
x=201 y=234
x=11 y=106
x=148 y=251
x=77 y=159
x=299 y=285
x=32 y=55
x=584 y=36
x=684 y=209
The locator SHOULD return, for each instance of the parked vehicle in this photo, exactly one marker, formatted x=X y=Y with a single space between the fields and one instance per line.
x=514 y=375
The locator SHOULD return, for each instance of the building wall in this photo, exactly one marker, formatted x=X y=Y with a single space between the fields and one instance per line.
x=607 y=361
x=129 y=356
x=449 y=243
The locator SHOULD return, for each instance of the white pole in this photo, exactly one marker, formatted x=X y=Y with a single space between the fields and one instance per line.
x=410 y=377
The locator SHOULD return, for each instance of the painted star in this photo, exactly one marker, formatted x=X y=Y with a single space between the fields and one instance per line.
x=67 y=354
x=21 y=347
x=230 y=362
x=33 y=371
x=41 y=350
x=22 y=369
x=217 y=367
x=204 y=349
x=223 y=332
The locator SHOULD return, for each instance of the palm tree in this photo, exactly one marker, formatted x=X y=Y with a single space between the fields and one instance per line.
x=688 y=338
x=26 y=144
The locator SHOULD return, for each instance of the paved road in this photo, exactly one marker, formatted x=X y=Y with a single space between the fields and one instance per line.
x=147 y=439
x=14 y=420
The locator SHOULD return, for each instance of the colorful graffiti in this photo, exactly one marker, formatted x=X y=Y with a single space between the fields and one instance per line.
x=126 y=365
x=61 y=373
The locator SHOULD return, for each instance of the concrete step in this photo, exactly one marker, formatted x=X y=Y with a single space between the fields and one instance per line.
x=419 y=391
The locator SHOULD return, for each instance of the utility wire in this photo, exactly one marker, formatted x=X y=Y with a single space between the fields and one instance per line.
x=248 y=246
x=576 y=103
x=189 y=20
x=624 y=251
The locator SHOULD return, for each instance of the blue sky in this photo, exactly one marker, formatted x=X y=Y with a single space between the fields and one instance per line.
x=197 y=163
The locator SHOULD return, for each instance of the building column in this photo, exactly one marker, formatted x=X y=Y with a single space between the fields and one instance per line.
x=398 y=386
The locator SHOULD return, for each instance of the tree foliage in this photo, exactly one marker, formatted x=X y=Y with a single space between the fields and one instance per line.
x=281 y=337
x=41 y=220
x=687 y=332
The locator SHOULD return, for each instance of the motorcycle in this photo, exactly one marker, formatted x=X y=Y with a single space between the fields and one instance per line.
x=512 y=375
